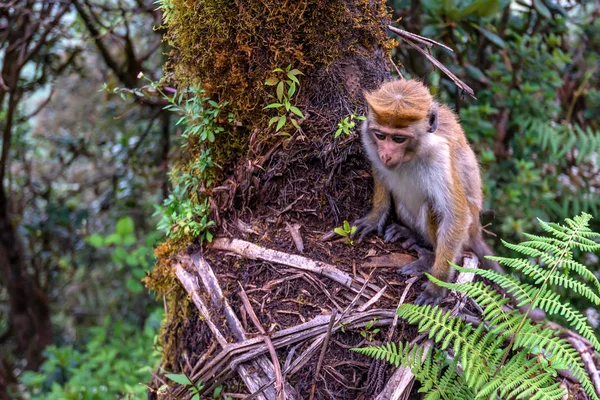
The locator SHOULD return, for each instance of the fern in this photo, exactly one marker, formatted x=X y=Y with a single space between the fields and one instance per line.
x=506 y=355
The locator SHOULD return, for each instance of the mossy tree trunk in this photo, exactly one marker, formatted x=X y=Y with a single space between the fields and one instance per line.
x=267 y=178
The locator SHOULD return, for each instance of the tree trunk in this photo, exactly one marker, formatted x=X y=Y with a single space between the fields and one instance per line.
x=29 y=310
x=269 y=183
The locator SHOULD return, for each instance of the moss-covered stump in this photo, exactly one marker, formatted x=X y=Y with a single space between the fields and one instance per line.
x=271 y=176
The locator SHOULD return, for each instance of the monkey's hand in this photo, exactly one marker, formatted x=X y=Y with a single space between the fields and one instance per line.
x=432 y=295
x=370 y=223
x=394 y=232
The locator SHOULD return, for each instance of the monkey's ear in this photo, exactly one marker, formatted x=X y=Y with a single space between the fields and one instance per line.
x=432 y=118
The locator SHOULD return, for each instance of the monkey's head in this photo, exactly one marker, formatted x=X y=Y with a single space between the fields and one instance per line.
x=401 y=113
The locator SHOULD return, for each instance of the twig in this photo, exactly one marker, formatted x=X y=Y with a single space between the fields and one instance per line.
x=411 y=39
x=588 y=361
x=322 y=355
x=255 y=252
x=278 y=378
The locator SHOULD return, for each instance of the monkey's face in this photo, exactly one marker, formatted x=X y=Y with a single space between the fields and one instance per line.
x=394 y=145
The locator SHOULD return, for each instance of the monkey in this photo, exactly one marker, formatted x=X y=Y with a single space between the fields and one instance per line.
x=425 y=171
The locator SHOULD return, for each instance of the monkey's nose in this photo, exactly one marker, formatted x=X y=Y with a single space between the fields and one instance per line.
x=386 y=158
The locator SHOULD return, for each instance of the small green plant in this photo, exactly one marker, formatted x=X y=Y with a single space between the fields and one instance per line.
x=347 y=124
x=186 y=212
x=193 y=389
x=283 y=79
x=506 y=355
x=129 y=257
x=182 y=379
x=346 y=231
x=368 y=332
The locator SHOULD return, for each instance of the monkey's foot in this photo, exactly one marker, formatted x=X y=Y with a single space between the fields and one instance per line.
x=420 y=266
x=432 y=295
x=394 y=232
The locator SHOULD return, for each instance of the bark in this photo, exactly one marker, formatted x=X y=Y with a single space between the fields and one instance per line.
x=29 y=309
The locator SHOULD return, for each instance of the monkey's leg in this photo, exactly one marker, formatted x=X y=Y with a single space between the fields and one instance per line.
x=394 y=232
x=376 y=219
x=451 y=233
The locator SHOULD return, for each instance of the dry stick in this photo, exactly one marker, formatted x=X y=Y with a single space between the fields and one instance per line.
x=267 y=339
x=211 y=284
x=417 y=38
x=322 y=355
x=190 y=284
x=255 y=252
x=411 y=39
x=401 y=382
x=588 y=361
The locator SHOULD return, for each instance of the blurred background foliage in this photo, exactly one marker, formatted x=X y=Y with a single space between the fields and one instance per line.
x=83 y=169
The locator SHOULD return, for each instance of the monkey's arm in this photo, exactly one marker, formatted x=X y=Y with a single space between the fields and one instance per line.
x=376 y=219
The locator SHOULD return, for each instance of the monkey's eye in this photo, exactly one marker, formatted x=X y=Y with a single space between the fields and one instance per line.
x=399 y=139
x=379 y=136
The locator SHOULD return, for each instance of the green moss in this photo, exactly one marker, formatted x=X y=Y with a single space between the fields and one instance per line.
x=232 y=47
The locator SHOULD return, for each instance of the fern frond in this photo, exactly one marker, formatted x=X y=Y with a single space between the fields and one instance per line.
x=552 y=304
x=568 y=263
x=392 y=353
x=559 y=351
x=550 y=276
x=507 y=282
x=522 y=378
x=450 y=331
x=488 y=299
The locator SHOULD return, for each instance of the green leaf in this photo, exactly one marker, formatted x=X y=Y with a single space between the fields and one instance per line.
x=340 y=232
x=196 y=397
x=132 y=260
x=134 y=285
x=129 y=240
x=542 y=9
x=113 y=238
x=217 y=391
x=95 y=240
x=209 y=237
x=179 y=378
x=139 y=273
x=293 y=78
x=125 y=226
x=281 y=123
x=346 y=226
x=120 y=253
x=295 y=123
x=489 y=8
x=272 y=81
x=296 y=111
x=292 y=89
x=280 y=91
x=492 y=37
x=273 y=105
x=273 y=120
x=295 y=72
x=476 y=73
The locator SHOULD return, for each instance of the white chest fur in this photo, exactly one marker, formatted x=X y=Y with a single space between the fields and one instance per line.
x=421 y=184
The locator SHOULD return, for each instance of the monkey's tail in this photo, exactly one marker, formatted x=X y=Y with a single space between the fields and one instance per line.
x=481 y=249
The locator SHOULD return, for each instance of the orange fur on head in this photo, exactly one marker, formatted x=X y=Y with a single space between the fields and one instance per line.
x=400 y=103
